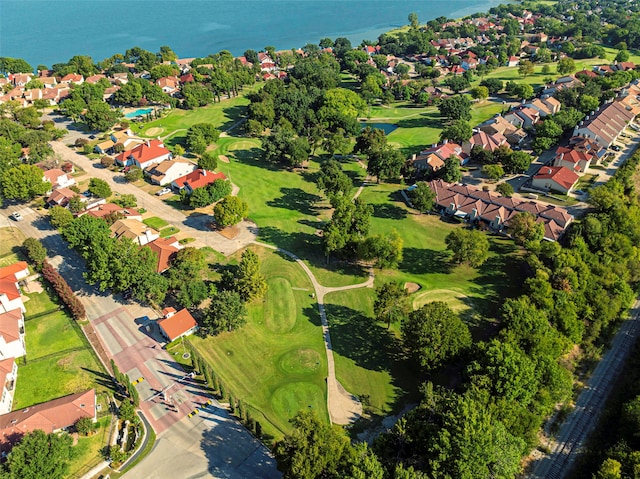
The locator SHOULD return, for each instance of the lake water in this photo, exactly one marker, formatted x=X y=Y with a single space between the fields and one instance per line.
x=52 y=31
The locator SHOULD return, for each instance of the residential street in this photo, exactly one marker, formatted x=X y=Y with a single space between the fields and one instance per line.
x=576 y=428
x=195 y=226
x=122 y=331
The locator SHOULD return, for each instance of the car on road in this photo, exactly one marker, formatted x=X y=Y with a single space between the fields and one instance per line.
x=16 y=216
x=92 y=137
x=615 y=148
x=163 y=191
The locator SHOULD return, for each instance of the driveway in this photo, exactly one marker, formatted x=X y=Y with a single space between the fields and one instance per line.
x=194 y=226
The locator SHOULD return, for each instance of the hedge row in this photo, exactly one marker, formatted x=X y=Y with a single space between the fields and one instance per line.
x=65 y=293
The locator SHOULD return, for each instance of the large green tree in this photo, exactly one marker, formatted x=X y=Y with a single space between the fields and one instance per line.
x=39 y=455
x=99 y=188
x=332 y=180
x=468 y=246
x=422 y=197
x=100 y=116
x=23 y=182
x=230 y=211
x=434 y=335
x=457 y=107
x=225 y=313
x=392 y=303
x=249 y=282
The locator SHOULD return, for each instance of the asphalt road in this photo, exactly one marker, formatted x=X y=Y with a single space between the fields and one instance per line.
x=571 y=438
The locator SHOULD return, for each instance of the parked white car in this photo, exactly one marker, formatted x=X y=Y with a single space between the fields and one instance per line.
x=163 y=191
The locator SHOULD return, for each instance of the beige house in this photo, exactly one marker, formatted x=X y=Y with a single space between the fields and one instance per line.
x=135 y=230
x=167 y=171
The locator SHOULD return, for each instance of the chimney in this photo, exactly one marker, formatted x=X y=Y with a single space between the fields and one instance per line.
x=148 y=144
x=445 y=141
x=204 y=172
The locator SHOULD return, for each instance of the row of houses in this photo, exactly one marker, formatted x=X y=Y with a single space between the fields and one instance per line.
x=496 y=211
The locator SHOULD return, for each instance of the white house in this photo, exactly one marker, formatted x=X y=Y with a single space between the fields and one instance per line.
x=12 y=343
x=58 y=178
x=8 y=376
x=168 y=171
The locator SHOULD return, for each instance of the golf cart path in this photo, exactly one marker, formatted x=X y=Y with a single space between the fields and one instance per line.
x=344 y=408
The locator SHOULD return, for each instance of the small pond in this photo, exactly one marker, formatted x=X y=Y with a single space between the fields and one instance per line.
x=387 y=127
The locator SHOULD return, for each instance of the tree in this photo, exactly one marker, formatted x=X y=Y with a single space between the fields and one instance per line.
x=413 y=20
x=468 y=246
x=622 y=56
x=526 y=68
x=34 y=251
x=128 y=200
x=385 y=163
x=199 y=198
x=249 y=282
x=524 y=228
x=434 y=335
x=208 y=161
x=566 y=65
x=493 y=172
x=392 y=303
x=312 y=450
x=225 y=313
x=133 y=174
x=230 y=211
x=23 y=182
x=505 y=189
x=456 y=108
x=332 y=180
x=76 y=205
x=493 y=84
x=200 y=136
x=84 y=425
x=588 y=103
x=457 y=83
x=107 y=161
x=523 y=91
x=422 y=197
x=458 y=131
x=99 y=188
x=451 y=170
x=100 y=116
x=60 y=217
x=385 y=250
x=480 y=92
x=40 y=455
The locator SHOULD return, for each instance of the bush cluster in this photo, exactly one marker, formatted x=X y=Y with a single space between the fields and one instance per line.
x=63 y=290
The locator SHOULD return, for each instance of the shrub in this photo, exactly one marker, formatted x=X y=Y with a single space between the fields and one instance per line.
x=84 y=425
x=107 y=161
x=134 y=174
x=80 y=142
x=34 y=250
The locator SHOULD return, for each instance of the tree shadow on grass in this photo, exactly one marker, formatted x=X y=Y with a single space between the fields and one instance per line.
x=422 y=261
x=234 y=114
x=389 y=211
x=296 y=199
x=358 y=337
x=430 y=119
x=252 y=157
x=308 y=246
x=101 y=378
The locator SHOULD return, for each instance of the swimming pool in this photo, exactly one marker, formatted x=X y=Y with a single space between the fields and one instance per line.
x=140 y=112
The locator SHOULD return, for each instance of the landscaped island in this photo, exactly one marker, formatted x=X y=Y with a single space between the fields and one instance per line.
x=441 y=222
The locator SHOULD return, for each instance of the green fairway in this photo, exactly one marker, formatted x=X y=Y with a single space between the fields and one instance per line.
x=368 y=359
x=287 y=206
x=222 y=115
x=276 y=363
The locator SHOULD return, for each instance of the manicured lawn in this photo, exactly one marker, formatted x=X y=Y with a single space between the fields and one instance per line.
x=55 y=376
x=171 y=230
x=275 y=363
x=88 y=451
x=222 y=115
x=155 y=223
x=41 y=342
x=59 y=361
x=287 y=206
x=10 y=241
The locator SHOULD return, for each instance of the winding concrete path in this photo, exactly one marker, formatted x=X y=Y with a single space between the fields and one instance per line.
x=344 y=408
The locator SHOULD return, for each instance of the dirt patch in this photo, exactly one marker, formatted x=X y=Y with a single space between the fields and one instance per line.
x=230 y=232
x=223 y=158
x=412 y=287
x=154 y=131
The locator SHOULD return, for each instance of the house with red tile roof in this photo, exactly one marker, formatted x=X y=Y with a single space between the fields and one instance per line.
x=8 y=377
x=106 y=209
x=175 y=325
x=12 y=343
x=575 y=160
x=61 y=197
x=485 y=141
x=196 y=179
x=433 y=158
x=10 y=298
x=472 y=205
x=75 y=78
x=144 y=155
x=169 y=85
x=58 y=178
x=165 y=249
x=498 y=124
x=605 y=124
x=51 y=416
x=555 y=178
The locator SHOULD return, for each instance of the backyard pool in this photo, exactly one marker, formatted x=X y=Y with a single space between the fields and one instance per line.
x=140 y=112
